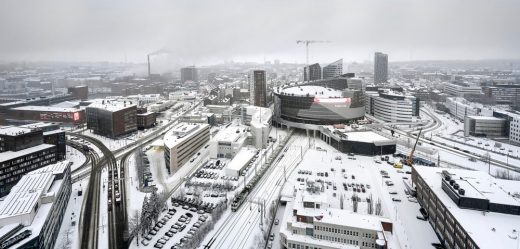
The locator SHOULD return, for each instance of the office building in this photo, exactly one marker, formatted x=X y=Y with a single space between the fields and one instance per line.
x=112 y=118
x=63 y=115
x=228 y=142
x=31 y=215
x=310 y=221
x=259 y=120
x=358 y=142
x=505 y=94
x=182 y=142
x=189 y=74
x=482 y=126
x=467 y=208
x=460 y=108
x=312 y=72
x=23 y=149
x=391 y=106
x=333 y=70
x=258 y=88
x=146 y=120
x=243 y=158
x=78 y=92
x=459 y=89
x=380 y=68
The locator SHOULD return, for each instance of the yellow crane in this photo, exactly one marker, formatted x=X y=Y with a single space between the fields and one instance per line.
x=410 y=157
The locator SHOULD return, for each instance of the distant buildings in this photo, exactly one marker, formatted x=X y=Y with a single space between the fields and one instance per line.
x=258 y=88
x=31 y=215
x=78 y=92
x=380 y=68
x=507 y=94
x=459 y=89
x=189 y=74
x=469 y=209
x=460 y=108
x=27 y=148
x=392 y=106
x=182 y=142
x=481 y=126
x=334 y=69
x=312 y=72
x=112 y=118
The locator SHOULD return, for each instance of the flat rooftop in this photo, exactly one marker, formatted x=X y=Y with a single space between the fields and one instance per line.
x=13 y=130
x=232 y=134
x=182 y=132
x=487 y=229
x=45 y=108
x=315 y=91
x=111 y=104
x=486 y=118
x=241 y=158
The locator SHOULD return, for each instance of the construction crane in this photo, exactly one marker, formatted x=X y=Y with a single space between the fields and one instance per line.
x=410 y=157
x=307 y=42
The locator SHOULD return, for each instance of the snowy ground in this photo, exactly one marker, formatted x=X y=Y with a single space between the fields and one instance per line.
x=68 y=236
x=409 y=231
x=76 y=157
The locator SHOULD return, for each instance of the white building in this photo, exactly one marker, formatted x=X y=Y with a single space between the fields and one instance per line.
x=32 y=213
x=182 y=142
x=242 y=159
x=391 y=106
x=259 y=119
x=460 y=108
x=161 y=106
x=482 y=126
x=309 y=222
x=514 y=128
x=460 y=89
x=228 y=142
x=182 y=95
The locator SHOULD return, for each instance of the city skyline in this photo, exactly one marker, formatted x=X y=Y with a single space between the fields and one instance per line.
x=98 y=31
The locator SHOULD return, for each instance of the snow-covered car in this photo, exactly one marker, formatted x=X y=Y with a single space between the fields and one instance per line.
x=145 y=242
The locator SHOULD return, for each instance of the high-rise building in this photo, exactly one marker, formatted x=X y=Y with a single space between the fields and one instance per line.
x=333 y=70
x=380 y=68
x=189 y=74
x=258 y=88
x=312 y=72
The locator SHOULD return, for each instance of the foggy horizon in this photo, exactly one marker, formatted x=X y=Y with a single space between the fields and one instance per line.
x=207 y=32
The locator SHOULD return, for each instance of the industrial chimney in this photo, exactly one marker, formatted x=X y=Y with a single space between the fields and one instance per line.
x=148 y=66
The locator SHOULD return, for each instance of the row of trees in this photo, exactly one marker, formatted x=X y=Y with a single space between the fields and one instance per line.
x=142 y=223
x=206 y=227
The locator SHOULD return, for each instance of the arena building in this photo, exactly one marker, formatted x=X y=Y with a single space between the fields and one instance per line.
x=326 y=102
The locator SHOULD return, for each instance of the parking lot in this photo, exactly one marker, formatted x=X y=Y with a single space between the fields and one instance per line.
x=176 y=227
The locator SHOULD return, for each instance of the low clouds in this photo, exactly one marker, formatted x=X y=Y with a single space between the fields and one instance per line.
x=206 y=31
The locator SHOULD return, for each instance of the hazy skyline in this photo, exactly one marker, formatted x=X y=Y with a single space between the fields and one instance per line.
x=203 y=32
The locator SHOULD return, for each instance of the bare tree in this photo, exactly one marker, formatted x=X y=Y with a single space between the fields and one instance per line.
x=379 y=210
x=370 y=205
x=354 y=202
x=134 y=226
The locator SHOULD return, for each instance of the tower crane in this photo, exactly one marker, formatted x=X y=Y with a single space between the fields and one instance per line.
x=410 y=157
x=307 y=42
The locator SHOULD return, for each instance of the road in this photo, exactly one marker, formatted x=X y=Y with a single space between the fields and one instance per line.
x=238 y=228
x=118 y=225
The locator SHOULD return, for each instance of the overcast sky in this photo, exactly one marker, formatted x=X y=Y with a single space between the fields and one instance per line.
x=210 y=31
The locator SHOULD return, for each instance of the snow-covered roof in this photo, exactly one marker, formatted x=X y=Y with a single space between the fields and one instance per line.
x=486 y=118
x=182 y=132
x=366 y=136
x=111 y=104
x=45 y=108
x=316 y=91
x=241 y=159
x=260 y=116
x=13 y=131
x=9 y=155
x=231 y=134
x=487 y=229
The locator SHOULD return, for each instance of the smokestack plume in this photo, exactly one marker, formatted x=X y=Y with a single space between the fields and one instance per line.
x=149 y=73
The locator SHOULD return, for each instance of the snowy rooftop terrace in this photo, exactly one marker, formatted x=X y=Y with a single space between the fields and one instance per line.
x=232 y=134
x=316 y=91
x=487 y=229
x=181 y=132
x=12 y=130
x=111 y=105
x=9 y=155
